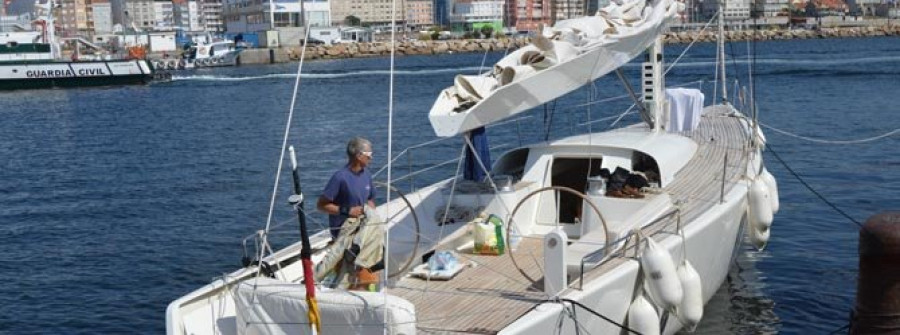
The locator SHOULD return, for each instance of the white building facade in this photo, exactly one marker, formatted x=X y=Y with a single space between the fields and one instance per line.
x=243 y=16
x=212 y=15
x=188 y=15
x=163 y=15
x=475 y=11
x=102 y=16
x=735 y=10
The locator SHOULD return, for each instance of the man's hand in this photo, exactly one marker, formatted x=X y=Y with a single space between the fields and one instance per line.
x=355 y=212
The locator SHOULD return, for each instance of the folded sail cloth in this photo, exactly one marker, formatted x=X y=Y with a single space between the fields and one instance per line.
x=473 y=88
x=628 y=13
x=563 y=42
x=367 y=232
x=589 y=27
x=370 y=239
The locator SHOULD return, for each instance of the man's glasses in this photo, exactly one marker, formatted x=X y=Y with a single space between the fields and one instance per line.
x=367 y=154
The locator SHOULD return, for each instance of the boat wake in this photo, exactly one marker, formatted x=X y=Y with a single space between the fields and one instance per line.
x=796 y=62
x=335 y=75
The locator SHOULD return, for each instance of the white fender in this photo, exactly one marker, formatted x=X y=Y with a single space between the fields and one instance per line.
x=760 y=137
x=660 y=276
x=691 y=309
x=759 y=237
x=760 y=206
x=642 y=317
x=773 y=190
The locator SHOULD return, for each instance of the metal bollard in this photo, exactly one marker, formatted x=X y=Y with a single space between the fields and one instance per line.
x=877 y=309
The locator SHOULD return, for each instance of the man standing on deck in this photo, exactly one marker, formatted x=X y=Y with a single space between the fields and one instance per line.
x=349 y=201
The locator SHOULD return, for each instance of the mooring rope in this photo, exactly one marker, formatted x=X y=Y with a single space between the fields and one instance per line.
x=810 y=188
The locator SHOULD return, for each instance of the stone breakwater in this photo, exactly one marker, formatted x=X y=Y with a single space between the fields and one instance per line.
x=379 y=49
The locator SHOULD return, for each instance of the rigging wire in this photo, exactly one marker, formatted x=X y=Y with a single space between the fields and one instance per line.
x=589 y=310
x=696 y=38
x=816 y=140
x=284 y=141
x=387 y=204
x=810 y=188
x=845 y=327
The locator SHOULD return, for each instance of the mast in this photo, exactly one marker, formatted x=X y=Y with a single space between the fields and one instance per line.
x=51 y=30
x=721 y=49
x=654 y=89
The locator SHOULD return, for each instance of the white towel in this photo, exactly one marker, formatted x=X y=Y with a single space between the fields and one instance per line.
x=685 y=108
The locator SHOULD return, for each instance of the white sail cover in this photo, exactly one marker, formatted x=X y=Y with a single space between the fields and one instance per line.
x=269 y=306
x=569 y=55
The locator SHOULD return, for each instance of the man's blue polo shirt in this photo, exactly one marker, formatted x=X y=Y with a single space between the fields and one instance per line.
x=350 y=189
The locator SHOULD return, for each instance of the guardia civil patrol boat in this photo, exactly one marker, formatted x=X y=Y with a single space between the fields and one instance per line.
x=33 y=59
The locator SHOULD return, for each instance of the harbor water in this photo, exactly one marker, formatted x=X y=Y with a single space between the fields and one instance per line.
x=115 y=201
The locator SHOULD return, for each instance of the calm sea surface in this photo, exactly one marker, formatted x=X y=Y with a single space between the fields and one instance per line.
x=116 y=201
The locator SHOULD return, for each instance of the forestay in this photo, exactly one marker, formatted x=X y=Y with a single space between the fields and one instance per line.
x=569 y=55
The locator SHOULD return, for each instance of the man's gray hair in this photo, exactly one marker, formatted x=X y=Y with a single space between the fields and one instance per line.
x=357 y=145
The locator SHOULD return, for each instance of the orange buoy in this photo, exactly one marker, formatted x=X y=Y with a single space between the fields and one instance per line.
x=877 y=309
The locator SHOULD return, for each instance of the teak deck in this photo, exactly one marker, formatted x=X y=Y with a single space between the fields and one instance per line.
x=493 y=293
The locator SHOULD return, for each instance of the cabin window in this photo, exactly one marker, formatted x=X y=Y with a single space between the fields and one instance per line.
x=572 y=173
x=512 y=164
x=644 y=163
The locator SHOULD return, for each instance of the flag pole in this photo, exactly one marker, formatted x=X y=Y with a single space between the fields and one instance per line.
x=305 y=253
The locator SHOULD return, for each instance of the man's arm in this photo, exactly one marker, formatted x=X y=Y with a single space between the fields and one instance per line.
x=332 y=208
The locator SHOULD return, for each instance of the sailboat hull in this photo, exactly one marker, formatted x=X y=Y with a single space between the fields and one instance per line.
x=493 y=296
x=710 y=240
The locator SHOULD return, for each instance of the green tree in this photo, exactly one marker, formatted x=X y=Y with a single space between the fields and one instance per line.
x=351 y=20
x=487 y=31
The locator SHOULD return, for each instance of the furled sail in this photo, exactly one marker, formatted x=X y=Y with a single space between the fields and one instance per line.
x=560 y=59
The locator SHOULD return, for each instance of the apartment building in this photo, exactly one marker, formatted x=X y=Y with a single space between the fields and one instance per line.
x=465 y=14
x=566 y=9
x=138 y=15
x=187 y=15
x=255 y=15
x=101 y=16
x=770 y=8
x=212 y=15
x=531 y=13
x=734 y=10
x=372 y=12
x=163 y=15
x=440 y=10
x=72 y=17
x=419 y=13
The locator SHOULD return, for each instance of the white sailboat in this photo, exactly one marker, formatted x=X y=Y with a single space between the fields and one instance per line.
x=575 y=257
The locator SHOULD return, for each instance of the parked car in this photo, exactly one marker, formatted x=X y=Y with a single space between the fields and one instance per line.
x=313 y=41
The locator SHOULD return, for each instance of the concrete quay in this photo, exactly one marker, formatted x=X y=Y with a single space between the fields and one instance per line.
x=379 y=49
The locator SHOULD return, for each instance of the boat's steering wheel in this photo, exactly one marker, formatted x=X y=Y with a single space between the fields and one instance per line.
x=412 y=256
x=512 y=215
